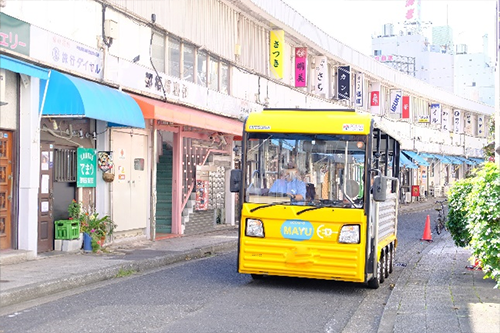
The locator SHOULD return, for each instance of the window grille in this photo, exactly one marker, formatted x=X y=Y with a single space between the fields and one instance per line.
x=65 y=165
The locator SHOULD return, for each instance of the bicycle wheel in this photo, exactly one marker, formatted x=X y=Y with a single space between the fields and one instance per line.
x=439 y=226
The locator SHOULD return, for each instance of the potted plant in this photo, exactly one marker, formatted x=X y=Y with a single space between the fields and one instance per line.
x=92 y=225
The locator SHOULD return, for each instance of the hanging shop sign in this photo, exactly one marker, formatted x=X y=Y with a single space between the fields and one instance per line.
x=86 y=167
x=445 y=119
x=276 y=49
x=321 y=75
x=375 y=98
x=406 y=107
x=360 y=79
x=436 y=114
x=344 y=82
x=396 y=102
x=300 y=67
x=480 y=126
x=458 y=124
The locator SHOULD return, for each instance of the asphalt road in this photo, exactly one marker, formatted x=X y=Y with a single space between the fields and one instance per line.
x=207 y=295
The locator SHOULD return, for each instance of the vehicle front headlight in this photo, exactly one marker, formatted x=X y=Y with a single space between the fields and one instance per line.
x=254 y=228
x=349 y=234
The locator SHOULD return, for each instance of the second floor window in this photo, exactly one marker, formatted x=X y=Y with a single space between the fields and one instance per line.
x=174 y=59
x=188 y=69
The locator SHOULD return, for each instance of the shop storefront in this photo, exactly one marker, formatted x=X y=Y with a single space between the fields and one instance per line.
x=78 y=113
x=192 y=156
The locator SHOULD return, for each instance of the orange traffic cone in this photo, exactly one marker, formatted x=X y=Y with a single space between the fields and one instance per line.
x=427 y=230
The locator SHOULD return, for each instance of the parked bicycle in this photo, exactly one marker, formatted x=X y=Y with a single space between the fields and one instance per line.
x=441 y=218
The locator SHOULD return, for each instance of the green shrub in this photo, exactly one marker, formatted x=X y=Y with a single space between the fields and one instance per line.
x=475 y=217
x=457 y=210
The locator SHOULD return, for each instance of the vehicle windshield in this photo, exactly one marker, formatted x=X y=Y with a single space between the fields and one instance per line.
x=308 y=170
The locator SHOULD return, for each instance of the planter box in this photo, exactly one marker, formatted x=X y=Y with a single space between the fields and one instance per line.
x=67 y=229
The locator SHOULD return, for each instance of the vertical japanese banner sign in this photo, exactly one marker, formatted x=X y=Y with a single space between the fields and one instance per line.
x=396 y=102
x=276 y=57
x=321 y=75
x=15 y=35
x=480 y=126
x=445 y=119
x=468 y=123
x=375 y=98
x=406 y=107
x=360 y=80
x=436 y=114
x=300 y=67
x=344 y=82
x=86 y=167
x=458 y=126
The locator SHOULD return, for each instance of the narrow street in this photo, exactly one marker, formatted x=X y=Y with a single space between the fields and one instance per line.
x=211 y=297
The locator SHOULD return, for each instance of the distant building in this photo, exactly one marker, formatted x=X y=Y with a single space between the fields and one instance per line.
x=438 y=63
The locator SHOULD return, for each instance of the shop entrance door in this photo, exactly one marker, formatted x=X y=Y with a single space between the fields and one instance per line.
x=6 y=188
x=45 y=197
x=130 y=187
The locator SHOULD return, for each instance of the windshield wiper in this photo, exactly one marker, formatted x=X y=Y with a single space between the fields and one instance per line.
x=269 y=205
x=321 y=204
x=313 y=208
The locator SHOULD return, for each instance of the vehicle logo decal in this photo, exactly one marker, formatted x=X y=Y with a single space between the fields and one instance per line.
x=297 y=230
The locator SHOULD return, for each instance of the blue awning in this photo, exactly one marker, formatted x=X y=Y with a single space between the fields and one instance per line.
x=443 y=159
x=476 y=160
x=427 y=155
x=454 y=160
x=21 y=67
x=464 y=160
x=416 y=157
x=69 y=96
x=404 y=162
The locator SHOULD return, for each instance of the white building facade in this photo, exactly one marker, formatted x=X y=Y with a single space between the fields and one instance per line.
x=164 y=95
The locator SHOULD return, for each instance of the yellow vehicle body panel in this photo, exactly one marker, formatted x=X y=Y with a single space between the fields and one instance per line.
x=301 y=121
x=304 y=245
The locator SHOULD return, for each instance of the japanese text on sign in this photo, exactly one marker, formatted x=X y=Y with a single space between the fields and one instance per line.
x=14 y=34
x=276 y=47
x=300 y=66
x=86 y=167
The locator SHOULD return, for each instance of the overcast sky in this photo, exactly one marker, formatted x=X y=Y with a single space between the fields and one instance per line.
x=354 y=22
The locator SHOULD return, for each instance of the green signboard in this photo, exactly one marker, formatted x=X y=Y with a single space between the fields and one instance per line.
x=14 y=34
x=86 y=167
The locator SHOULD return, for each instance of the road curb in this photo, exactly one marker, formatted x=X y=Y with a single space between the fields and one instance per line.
x=36 y=290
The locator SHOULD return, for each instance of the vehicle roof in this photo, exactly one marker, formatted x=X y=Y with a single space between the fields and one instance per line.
x=323 y=121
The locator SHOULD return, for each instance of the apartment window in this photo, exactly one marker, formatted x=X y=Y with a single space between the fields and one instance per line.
x=201 y=68
x=174 y=57
x=213 y=74
x=188 y=69
x=158 y=52
x=377 y=52
x=224 y=78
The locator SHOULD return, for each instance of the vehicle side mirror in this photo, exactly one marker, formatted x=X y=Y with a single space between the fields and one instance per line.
x=235 y=180
x=379 y=188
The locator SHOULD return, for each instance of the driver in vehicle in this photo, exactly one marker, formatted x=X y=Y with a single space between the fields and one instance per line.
x=290 y=184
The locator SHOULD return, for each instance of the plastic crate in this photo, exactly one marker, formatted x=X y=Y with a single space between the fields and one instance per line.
x=67 y=229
